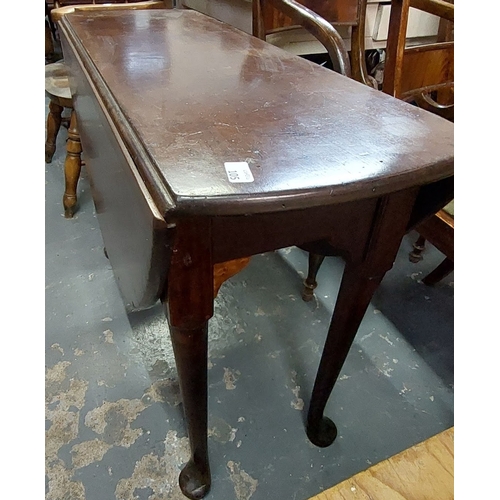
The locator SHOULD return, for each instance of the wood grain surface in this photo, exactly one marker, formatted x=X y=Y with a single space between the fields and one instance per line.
x=310 y=136
x=422 y=472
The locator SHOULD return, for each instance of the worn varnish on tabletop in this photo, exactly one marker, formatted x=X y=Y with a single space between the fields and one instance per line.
x=422 y=472
x=198 y=93
x=165 y=99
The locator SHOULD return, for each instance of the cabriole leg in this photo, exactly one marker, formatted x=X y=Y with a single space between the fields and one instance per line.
x=362 y=275
x=356 y=291
x=189 y=306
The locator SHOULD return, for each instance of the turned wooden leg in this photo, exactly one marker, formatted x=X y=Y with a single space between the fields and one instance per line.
x=310 y=284
x=441 y=271
x=356 y=291
x=72 y=167
x=189 y=305
x=418 y=247
x=53 y=125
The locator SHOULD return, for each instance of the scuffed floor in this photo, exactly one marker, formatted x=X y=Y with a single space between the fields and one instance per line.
x=114 y=423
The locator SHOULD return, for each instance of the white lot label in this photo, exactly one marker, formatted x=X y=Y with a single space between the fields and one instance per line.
x=238 y=171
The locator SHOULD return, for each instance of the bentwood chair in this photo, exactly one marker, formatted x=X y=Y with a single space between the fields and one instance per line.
x=283 y=22
x=313 y=26
x=424 y=76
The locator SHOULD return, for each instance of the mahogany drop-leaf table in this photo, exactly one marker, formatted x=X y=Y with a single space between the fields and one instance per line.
x=204 y=145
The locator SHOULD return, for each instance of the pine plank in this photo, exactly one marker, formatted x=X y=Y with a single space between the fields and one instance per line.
x=422 y=472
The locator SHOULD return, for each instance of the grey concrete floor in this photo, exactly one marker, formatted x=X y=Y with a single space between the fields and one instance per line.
x=114 y=422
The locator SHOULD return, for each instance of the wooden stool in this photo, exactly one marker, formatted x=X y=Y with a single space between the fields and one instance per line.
x=57 y=89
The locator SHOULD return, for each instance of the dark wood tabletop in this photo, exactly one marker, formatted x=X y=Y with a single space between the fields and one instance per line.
x=250 y=101
x=204 y=144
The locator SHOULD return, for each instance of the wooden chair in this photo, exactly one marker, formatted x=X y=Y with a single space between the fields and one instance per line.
x=320 y=19
x=282 y=22
x=49 y=35
x=278 y=21
x=63 y=7
x=57 y=88
x=55 y=9
x=438 y=230
x=85 y=3
x=58 y=91
x=423 y=75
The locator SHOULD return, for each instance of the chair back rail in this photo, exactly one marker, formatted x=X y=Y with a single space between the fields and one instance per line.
x=423 y=73
x=338 y=12
x=427 y=67
x=271 y=16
